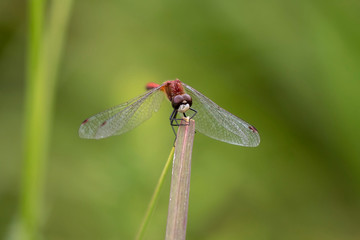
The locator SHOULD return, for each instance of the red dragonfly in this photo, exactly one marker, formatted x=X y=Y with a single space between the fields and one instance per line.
x=211 y=120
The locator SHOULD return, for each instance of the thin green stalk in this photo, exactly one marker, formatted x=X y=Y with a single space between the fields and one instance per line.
x=33 y=155
x=44 y=50
x=154 y=196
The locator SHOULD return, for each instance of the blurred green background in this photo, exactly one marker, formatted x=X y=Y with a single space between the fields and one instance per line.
x=290 y=68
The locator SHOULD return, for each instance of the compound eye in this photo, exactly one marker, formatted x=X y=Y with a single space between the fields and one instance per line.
x=188 y=99
x=177 y=101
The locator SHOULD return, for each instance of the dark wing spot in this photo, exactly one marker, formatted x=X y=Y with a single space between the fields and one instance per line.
x=252 y=128
x=85 y=121
x=103 y=123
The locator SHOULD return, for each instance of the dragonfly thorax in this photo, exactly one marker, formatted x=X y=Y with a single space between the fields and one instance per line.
x=182 y=102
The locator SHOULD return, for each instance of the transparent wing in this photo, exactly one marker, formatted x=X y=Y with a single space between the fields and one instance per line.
x=122 y=118
x=215 y=122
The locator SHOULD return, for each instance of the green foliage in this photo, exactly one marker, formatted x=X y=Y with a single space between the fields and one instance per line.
x=289 y=68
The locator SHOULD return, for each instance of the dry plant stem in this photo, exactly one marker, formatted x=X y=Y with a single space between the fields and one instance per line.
x=180 y=183
x=154 y=197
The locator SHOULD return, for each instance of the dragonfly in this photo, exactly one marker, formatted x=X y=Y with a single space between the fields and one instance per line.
x=211 y=120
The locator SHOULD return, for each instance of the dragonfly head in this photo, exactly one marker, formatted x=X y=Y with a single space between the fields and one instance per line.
x=182 y=102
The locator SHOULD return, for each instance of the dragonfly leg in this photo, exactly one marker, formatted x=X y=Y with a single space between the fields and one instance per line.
x=172 y=114
x=195 y=112
x=173 y=119
x=173 y=122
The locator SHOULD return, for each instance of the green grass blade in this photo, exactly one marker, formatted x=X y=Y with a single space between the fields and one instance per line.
x=44 y=50
x=155 y=196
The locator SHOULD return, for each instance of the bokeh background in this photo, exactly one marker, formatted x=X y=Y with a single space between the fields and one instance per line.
x=290 y=68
